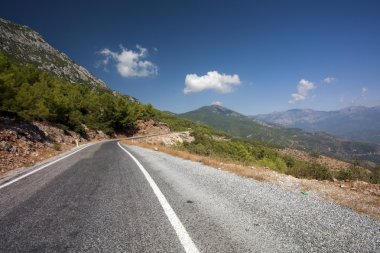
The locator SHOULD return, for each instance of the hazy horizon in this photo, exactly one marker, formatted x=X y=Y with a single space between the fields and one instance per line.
x=279 y=111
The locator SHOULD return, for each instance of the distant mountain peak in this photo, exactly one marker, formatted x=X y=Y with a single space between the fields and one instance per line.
x=218 y=109
x=23 y=44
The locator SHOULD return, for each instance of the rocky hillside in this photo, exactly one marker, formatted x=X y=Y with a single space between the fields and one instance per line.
x=25 y=45
x=357 y=122
x=23 y=143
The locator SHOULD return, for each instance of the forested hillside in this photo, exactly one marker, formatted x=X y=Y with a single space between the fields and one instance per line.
x=37 y=95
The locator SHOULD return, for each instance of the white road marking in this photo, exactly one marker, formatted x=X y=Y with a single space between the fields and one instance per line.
x=42 y=167
x=182 y=234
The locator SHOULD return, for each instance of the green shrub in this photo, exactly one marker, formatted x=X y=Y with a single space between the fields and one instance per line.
x=289 y=161
x=320 y=172
x=374 y=177
x=312 y=171
x=354 y=172
x=57 y=146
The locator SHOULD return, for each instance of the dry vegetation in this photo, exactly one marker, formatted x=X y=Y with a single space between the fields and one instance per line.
x=360 y=196
x=329 y=162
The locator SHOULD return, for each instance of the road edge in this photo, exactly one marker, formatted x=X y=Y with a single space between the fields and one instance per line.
x=22 y=172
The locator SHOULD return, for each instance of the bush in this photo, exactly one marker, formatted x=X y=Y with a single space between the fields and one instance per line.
x=289 y=161
x=311 y=171
x=374 y=177
x=57 y=146
x=353 y=173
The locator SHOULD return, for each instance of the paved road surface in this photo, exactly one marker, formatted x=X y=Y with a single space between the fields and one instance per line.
x=100 y=200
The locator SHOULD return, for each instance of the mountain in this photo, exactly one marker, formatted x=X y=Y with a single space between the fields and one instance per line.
x=253 y=129
x=24 y=45
x=357 y=123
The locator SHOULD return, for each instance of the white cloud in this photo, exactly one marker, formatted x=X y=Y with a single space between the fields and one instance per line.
x=364 y=90
x=213 y=81
x=130 y=63
x=217 y=103
x=329 y=79
x=303 y=89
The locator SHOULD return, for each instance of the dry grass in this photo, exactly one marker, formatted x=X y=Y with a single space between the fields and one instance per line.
x=364 y=198
x=331 y=163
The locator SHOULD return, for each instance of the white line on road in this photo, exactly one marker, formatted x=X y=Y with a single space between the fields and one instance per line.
x=42 y=167
x=182 y=234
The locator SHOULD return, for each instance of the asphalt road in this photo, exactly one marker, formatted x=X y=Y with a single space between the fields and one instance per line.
x=100 y=200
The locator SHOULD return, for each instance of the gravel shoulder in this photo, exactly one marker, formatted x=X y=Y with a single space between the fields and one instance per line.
x=224 y=212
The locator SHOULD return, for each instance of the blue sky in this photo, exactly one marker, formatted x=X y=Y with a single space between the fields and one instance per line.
x=251 y=56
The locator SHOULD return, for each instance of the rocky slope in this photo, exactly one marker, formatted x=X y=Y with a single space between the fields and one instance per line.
x=25 y=45
x=23 y=143
x=150 y=127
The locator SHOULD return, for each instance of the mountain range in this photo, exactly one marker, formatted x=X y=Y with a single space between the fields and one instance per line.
x=251 y=128
x=357 y=122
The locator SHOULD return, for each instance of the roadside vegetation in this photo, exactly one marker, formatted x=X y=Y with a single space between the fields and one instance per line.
x=221 y=146
x=246 y=153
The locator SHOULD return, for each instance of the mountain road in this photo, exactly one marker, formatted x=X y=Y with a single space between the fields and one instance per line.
x=110 y=197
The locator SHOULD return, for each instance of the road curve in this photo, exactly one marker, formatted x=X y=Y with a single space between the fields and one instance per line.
x=100 y=200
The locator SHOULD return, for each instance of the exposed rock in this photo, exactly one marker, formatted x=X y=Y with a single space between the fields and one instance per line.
x=22 y=143
x=149 y=127
x=168 y=139
x=27 y=46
